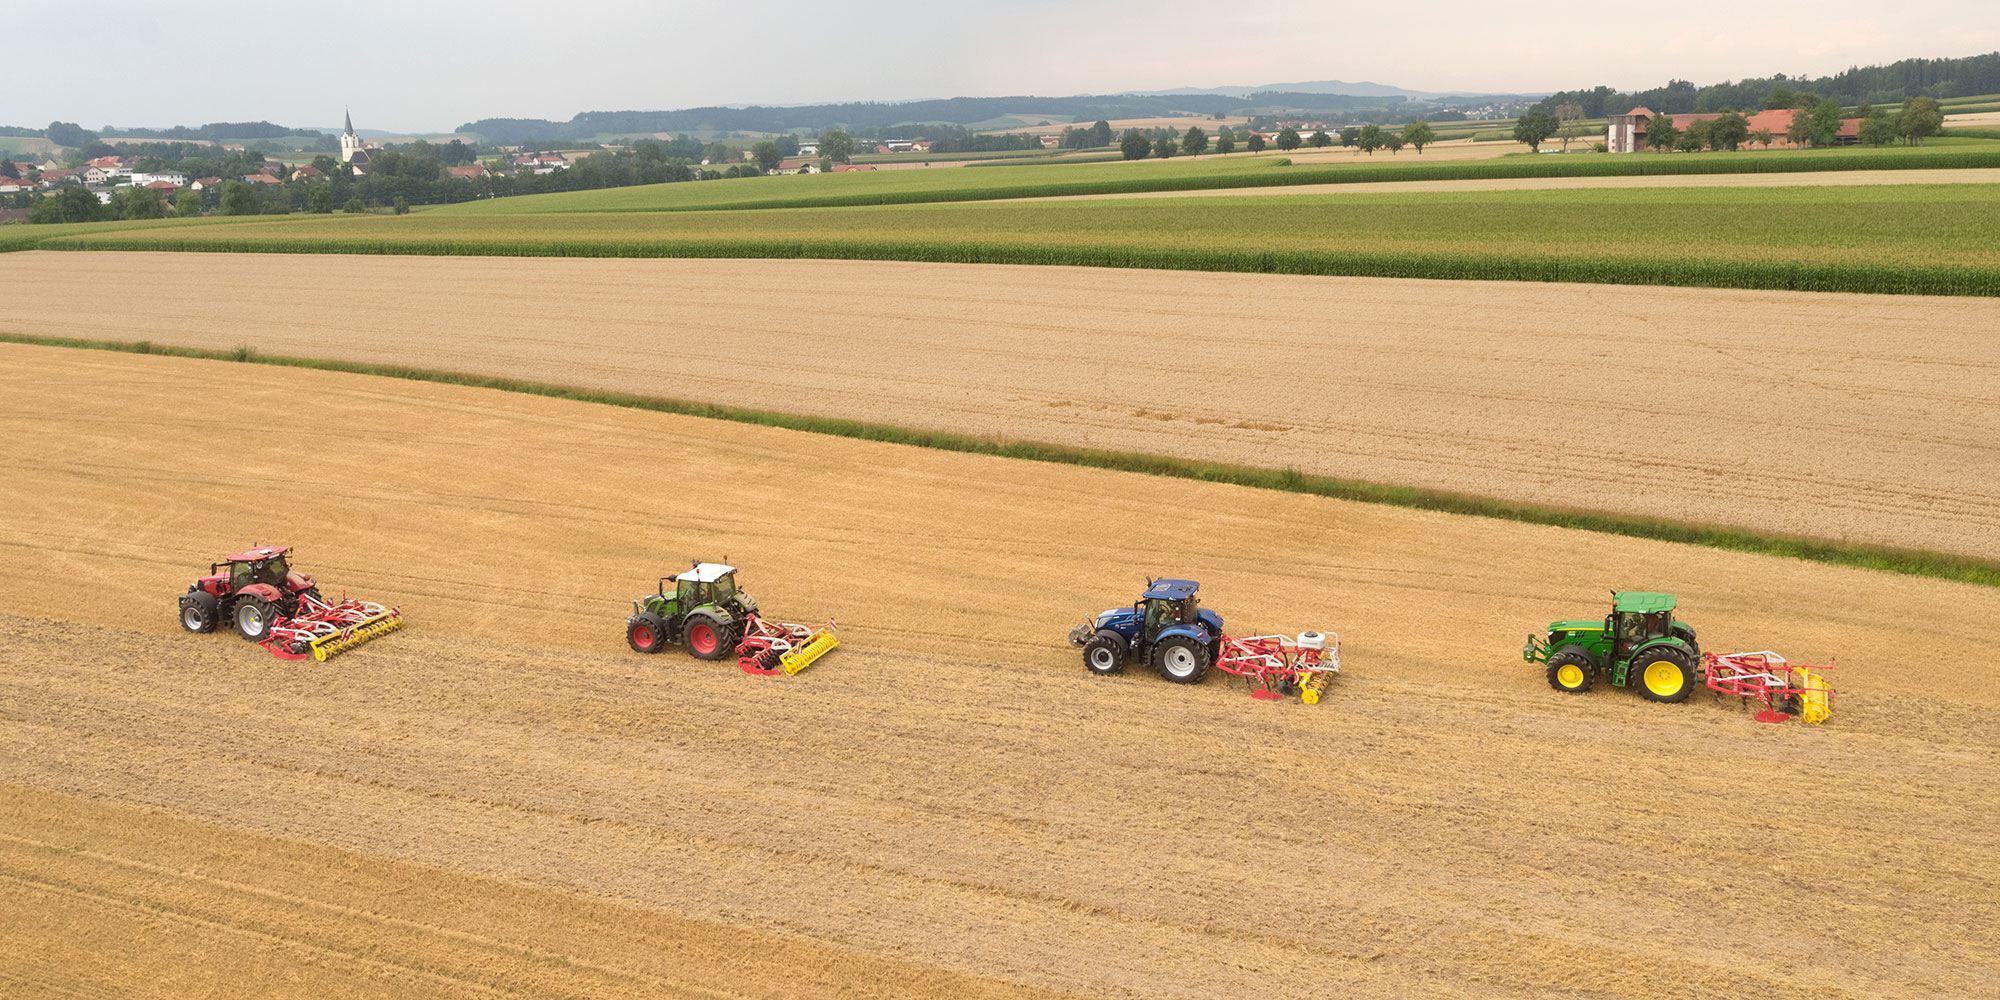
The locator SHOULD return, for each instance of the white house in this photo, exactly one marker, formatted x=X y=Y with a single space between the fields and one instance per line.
x=808 y=149
x=174 y=177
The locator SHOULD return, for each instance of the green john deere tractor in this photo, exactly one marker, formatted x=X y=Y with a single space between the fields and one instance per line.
x=1640 y=643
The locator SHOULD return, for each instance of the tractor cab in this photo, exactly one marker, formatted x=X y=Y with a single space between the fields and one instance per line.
x=706 y=583
x=1638 y=617
x=265 y=565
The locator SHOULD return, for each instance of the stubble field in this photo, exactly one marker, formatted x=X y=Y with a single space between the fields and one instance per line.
x=948 y=805
x=1853 y=418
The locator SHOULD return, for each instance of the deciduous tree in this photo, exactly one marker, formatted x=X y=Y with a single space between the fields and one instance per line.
x=1254 y=142
x=1319 y=140
x=1370 y=139
x=1134 y=144
x=1194 y=141
x=1534 y=128
x=766 y=155
x=1225 y=140
x=1728 y=131
x=1419 y=134
x=1920 y=119
x=1288 y=139
x=836 y=145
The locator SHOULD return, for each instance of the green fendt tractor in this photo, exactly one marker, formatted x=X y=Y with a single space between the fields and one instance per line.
x=1640 y=643
x=704 y=611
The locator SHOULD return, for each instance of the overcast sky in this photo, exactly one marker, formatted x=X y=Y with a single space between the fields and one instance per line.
x=416 y=66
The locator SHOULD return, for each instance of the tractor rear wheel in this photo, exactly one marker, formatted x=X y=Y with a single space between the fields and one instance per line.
x=1180 y=659
x=1664 y=674
x=1570 y=671
x=709 y=636
x=198 y=612
x=646 y=633
x=253 y=618
x=1104 y=654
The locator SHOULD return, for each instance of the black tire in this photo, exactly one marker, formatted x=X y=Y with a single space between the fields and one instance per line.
x=1571 y=670
x=1180 y=659
x=253 y=618
x=311 y=592
x=698 y=629
x=1686 y=635
x=1647 y=668
x=1104 y=654
x=646 y=633
x=198 y=611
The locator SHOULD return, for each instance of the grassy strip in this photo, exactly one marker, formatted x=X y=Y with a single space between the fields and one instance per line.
x=1937 y=565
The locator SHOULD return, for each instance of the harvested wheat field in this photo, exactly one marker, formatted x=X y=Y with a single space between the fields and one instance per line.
x=1827 y=178
x=1449 y=149
x=1851 y=417
x=501 y=799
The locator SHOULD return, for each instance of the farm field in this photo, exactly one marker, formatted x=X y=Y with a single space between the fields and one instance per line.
x=1860 y=418
x=949 y=805
x=1842 y=178
x=1208 y=172
x=1922 y=239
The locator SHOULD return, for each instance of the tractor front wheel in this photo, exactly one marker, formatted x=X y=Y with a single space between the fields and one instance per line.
x=1104 y=654
x=1571 y=672
x=1665 y=674
x=709 y=636
x=1180 y=659
x=253 y=618
x=646 y=633
x=198 y=612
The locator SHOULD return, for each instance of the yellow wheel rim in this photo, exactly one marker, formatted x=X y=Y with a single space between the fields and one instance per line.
x=1663 y=677
x=1569 y=675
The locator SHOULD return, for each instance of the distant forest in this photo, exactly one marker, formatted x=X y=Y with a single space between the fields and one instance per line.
x=874 y=118
x=1889 y=84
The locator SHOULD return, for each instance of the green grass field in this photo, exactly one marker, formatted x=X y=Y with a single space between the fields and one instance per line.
x=903 y=187
x=1911 y=239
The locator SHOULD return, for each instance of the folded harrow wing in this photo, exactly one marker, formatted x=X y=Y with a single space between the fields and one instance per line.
x=1278 y=665
x=769 y=647
x=321 y=630
x=1765 y=678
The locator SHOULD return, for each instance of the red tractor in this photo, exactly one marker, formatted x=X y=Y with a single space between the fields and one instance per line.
x=279 y=608
x=250 y=589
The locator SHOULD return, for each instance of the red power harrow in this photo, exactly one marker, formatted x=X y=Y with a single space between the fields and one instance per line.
x=1784 y=690
x=1279 y=665
x=769 y=647
x=320 y=630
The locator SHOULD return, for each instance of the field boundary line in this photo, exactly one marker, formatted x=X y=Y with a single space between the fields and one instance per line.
x=1909 y=562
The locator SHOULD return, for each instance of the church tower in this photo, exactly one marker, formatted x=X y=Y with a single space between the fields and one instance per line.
x=350 y=144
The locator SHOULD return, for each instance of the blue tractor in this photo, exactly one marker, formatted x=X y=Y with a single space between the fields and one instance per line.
x=1166 y=627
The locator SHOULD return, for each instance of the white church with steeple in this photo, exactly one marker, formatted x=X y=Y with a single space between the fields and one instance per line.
x=351 y=148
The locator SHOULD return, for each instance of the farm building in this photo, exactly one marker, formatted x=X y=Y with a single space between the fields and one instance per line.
x=1626 y=133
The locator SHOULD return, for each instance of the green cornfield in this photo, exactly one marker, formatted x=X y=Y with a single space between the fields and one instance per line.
x=1909 y=239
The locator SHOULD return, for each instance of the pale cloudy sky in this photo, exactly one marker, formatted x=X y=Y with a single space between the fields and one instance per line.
x=410 y=65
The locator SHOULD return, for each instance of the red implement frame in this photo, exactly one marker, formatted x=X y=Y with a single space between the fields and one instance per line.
x=1767 y=679
x=764 y=642
x=1279 y=665
x=319 y=630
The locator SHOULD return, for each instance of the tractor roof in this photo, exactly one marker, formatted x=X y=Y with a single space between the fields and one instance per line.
x=258 y=554
x=1170 y=590
x=1642 y=602
x=706 y=572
